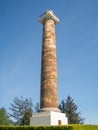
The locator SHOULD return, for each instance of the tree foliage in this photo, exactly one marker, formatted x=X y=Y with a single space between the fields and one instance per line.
x=4 y=118
x=70 y=108
x=21 y=110
x=37 y=107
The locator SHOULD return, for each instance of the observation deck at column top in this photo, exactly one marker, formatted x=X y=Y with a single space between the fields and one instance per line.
x=48 y=14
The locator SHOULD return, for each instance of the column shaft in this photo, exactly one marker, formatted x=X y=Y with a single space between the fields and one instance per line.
x=49 y=89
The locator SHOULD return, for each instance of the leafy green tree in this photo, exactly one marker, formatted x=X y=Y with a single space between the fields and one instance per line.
x=70 y=108
x=21 y=110
x=4 y=118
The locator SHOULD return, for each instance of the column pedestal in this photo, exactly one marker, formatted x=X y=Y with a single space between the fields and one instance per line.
x=48 y=118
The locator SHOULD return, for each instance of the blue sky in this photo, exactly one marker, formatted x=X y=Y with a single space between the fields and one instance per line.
x=77 y=51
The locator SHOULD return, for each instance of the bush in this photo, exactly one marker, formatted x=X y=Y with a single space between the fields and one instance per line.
x=67 y=127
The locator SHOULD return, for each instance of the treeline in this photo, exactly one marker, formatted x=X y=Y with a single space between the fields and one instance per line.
x=22 y=109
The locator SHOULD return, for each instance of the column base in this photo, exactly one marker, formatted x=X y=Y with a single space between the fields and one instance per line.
x=48 y=118
x=49 y=109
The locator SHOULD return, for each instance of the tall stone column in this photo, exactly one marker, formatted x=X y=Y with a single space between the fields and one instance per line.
x=49 y=113
x=49 y=88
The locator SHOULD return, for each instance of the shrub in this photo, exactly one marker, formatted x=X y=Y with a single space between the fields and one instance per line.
x=67 y=127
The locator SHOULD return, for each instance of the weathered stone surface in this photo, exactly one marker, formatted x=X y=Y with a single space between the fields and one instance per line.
x=49 y=88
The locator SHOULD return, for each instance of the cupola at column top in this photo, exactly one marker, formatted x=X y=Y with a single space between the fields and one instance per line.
x=48 y=14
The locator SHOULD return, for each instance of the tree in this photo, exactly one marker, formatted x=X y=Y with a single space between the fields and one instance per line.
x=4 y=118
x=21 y=110
x=37 y=107
x=70 y=108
